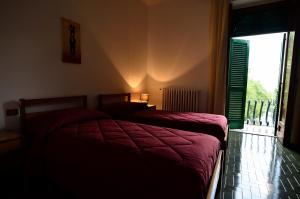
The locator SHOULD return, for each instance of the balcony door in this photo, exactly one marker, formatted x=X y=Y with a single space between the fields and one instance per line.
x=257 y=79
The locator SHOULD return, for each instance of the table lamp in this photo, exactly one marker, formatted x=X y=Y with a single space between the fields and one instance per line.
x=144 y=97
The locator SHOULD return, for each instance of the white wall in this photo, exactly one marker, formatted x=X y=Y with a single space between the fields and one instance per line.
x=132 y=45
x=178 y=46
x=113 y=42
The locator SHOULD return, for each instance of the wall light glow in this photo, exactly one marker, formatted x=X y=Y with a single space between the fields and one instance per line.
x=176 y=43
x=152 y=2
x=123 y=38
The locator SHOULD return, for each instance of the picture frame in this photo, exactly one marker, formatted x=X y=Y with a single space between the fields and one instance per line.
x=71 y=44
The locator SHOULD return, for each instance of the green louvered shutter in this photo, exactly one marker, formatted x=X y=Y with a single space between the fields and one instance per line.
x=237 y=82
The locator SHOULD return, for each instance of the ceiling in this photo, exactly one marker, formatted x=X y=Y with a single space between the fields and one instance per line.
x=249 y=3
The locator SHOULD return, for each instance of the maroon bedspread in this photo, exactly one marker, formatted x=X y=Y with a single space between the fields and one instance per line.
x=211 y=124
x=95 y=157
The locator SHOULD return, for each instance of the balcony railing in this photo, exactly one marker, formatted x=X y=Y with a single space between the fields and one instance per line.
x=260 y=112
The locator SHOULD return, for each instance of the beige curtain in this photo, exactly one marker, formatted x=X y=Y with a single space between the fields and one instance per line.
x=218 y=40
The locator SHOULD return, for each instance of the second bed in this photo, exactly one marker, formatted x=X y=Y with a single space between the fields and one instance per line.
x=120 y=107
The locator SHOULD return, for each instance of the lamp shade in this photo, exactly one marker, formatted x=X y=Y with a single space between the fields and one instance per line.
x=144 y=97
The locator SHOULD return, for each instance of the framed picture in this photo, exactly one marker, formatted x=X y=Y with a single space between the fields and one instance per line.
x=71 y=51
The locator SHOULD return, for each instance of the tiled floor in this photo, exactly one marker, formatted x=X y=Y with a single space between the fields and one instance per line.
x=256 y=129
x=259 y=167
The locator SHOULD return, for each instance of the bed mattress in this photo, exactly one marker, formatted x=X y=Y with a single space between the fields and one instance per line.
x=92 y=156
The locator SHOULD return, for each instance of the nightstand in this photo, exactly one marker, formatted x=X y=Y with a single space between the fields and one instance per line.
x=11 y=164
x=151 y=107
x=9 y=141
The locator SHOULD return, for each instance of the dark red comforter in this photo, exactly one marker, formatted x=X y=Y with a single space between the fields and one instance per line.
x=91 y=156
x=211 y=124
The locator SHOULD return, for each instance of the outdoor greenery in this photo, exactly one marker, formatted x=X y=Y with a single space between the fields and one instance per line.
x=256 y=91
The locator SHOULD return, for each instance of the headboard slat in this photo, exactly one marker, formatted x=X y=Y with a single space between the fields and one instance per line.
x=81 y=102
x=102 y=98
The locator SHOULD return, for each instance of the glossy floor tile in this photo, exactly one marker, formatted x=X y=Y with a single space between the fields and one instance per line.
x=256 y=129
x=259 y=167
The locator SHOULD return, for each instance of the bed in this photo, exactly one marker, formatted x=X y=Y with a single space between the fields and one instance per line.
x=86 y=154
x=120 y=107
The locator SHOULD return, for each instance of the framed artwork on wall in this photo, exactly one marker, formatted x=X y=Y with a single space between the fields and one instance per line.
x=71 y=52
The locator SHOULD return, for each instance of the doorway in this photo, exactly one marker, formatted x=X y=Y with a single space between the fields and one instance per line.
x=255 y=82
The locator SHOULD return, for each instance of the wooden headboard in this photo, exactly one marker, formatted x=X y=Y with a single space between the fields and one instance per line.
x=75 y=101
x=104 y=99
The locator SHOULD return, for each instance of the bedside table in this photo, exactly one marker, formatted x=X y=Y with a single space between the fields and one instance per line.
x=151 y=107
x=11 y=164
x=9 y=141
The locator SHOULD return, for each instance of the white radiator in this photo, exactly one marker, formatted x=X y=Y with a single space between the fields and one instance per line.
x=181 y=99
